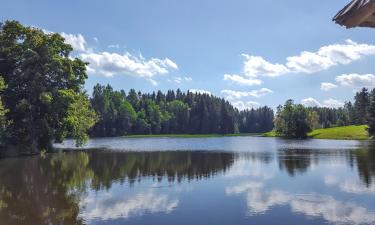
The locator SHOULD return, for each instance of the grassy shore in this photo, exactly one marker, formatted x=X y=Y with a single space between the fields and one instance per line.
x=187 y=135
x=337 y=133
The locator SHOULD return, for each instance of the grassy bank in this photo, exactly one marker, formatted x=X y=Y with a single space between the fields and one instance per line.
x=338 y=133
x=187 y=135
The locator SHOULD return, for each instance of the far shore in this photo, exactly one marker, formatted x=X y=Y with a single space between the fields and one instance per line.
x=335 y=133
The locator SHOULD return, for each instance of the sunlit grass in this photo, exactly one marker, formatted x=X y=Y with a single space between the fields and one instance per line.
x=342 y=133
x=339 y=133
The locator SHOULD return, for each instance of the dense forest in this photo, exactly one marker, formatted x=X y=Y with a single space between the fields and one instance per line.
x=174 y=112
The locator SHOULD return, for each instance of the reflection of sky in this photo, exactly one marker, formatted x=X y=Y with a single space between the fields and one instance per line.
x=311 y=193
x=260 y=201
x=122 y=202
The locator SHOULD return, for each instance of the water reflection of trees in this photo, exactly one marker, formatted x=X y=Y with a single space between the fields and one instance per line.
x=365 y=160
x=298 y=161
x=295 y=161
x=39 y=191
x=175 y=166
x=47 y=190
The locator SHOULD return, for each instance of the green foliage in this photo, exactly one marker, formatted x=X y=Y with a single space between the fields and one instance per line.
x=80 y=117
x=36 y=68
x=3 y=121
x=294 y=121
x=371 y=114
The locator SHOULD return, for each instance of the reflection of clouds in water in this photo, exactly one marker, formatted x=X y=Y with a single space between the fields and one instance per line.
x=337 y=212
x=349 y=186
x=243 y=168
x=107 y=206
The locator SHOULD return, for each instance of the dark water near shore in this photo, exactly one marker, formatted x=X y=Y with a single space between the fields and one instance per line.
x=229 y=180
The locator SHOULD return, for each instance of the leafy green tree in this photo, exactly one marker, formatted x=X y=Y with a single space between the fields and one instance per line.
x=36 y=68
x=294 y=121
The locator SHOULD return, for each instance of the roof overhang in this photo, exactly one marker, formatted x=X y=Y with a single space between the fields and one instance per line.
x=358 y=13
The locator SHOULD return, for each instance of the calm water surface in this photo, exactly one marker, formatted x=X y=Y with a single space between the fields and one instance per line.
x=231 y=180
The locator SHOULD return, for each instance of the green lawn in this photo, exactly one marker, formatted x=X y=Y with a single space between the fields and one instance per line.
x=339 y=133
x=185 y=135
x=342 y=133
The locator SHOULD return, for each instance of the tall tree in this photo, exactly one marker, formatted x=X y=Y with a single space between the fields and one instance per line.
x=371 y=114
x=361 y=105
x=40 y=76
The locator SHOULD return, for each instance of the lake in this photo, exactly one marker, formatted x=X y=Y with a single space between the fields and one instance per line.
x=227 y=180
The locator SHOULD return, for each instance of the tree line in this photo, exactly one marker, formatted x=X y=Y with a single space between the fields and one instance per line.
x=173 y=112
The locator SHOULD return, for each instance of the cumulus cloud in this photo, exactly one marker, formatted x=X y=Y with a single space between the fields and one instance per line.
x=200 y=91
x=109 y=64
x=256 y=65
x=356 y=80
x=311 y=102
x=325 y=86
x=241 y=105
x=309 y=62
x=332 y=103
x=77 y=41
x=329 y=103
x=232 y=95
x=242 y=80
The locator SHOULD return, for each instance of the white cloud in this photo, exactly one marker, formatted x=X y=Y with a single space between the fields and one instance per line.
x=332 y=103
x=242 y=80
x=240 y=105
x=329 y=103
x=309 y=62
x=311 y=102
x=109 y=64
x=199 y=91
x=232 y=95
x=328 y=56
x=356 y=80
x=325 y=86
x=77 y=41
x=179 y=80
x=256 y=65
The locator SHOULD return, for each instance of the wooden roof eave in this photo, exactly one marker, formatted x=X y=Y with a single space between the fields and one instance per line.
x=357 y=17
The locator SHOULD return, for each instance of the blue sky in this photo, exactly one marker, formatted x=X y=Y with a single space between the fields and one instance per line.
x=250 y=52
